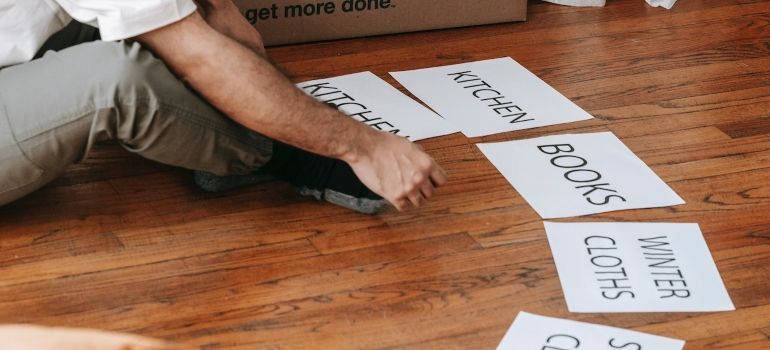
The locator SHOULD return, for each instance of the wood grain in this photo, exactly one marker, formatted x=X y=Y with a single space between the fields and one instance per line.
x=123 y=244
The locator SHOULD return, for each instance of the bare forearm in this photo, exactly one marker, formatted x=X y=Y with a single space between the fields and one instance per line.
x=252 y=92
x=224 y=17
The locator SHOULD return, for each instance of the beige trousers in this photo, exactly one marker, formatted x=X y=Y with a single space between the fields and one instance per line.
x=53 y=109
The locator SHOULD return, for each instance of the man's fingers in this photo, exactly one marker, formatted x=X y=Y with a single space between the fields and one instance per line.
x=437 y=175
x=400 y=204
x=427 y=189
x=416 y=199
x=425 y=182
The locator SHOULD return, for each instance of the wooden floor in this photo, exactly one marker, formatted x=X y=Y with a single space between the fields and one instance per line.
x=123 y=244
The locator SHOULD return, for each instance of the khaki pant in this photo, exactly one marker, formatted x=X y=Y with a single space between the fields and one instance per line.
x=53 y=109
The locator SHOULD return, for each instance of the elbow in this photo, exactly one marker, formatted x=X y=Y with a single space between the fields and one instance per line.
x=186 y=46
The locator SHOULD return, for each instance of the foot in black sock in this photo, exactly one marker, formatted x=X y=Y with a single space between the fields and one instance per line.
x=320 y=177
x=323 y=178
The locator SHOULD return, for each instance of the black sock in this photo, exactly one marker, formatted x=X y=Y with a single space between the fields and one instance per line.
x=315 y=172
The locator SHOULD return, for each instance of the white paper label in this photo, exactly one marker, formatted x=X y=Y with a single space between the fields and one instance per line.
x=489 y=97
x=533 y=332
x=636 y=267
x=370 y=100
x=579 y=174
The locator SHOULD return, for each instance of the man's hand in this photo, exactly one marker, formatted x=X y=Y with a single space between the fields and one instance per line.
x=249 y=90
x=23 y=337
x=398 y=170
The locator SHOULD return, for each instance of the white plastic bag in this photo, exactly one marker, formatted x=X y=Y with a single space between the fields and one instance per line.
x=663 y=3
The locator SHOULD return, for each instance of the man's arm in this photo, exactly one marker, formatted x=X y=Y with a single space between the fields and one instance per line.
x=224 y=17
x=248 y=89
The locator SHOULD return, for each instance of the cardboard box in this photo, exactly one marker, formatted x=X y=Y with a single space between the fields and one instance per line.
x=296 y=21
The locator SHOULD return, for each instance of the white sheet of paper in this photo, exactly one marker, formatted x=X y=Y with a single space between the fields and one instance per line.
x=489 y=97
x=534 y=332
x=371 y=100
x=636 y=267
x=583 y=174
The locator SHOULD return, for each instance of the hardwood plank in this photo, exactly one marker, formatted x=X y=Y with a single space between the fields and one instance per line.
x=740 y=129
x=194 y=278
x=121 y=243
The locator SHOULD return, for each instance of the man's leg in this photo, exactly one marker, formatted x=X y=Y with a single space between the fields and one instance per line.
x=52 y=111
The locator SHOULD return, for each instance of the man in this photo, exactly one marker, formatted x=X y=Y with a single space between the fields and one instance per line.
x=53 y=109
x=189 y=86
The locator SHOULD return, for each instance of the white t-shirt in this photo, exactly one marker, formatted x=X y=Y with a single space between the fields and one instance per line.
x=26 y=24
